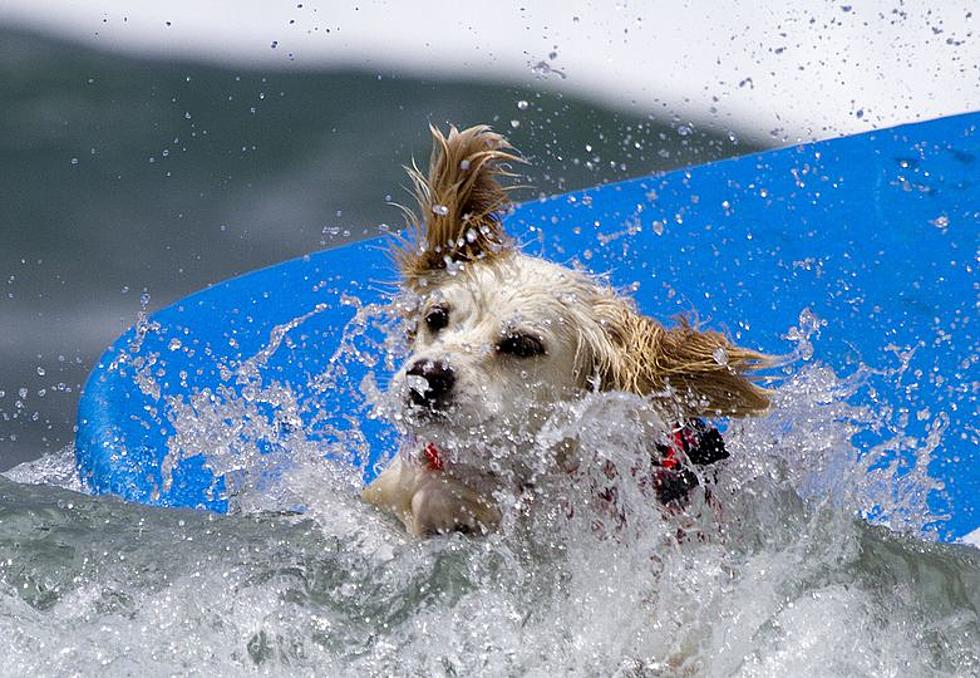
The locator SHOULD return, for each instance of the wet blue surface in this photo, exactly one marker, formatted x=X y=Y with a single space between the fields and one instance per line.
x=876 y=234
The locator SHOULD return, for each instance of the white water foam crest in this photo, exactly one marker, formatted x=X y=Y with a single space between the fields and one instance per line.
x=55 y=469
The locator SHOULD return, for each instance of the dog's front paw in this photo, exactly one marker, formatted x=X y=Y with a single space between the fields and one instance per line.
x=441 y=506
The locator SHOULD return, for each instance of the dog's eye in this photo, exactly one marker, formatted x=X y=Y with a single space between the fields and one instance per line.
x=521 y=345
x=437 y=318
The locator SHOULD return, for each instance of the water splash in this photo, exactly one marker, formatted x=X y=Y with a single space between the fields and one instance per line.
x=751 y=581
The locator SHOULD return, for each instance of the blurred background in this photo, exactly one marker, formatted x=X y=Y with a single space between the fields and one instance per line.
x=151 y=149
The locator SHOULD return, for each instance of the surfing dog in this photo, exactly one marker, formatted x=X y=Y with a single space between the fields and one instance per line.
x=499 y=338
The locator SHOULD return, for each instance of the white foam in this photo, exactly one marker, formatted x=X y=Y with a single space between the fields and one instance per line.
x=56 y=469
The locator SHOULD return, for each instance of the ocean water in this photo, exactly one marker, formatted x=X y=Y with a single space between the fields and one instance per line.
x=808 y=558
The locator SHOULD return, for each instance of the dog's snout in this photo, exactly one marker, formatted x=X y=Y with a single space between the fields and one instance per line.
x=440 y=379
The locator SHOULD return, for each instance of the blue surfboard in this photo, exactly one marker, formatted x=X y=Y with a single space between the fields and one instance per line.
x=875 y=234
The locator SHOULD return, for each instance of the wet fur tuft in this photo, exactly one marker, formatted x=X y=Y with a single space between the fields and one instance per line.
x=460 y=203
x=701 y=373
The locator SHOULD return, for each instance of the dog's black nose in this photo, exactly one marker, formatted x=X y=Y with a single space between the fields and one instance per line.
x=440 y=379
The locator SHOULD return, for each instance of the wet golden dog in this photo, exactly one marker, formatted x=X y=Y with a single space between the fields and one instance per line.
x=500 y=338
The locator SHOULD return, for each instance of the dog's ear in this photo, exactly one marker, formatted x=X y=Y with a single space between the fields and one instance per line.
x=699 y=373
x=460 y=201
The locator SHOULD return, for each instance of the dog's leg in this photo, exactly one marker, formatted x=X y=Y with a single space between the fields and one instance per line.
x=429 y=502
x=393 y=489
x=440 y=505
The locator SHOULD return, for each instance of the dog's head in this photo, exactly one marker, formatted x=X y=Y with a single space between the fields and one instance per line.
x=499 y=337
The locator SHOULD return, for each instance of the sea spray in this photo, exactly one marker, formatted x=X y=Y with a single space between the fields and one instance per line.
x=775 y=570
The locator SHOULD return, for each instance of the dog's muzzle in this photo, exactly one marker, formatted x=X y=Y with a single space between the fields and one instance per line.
x=436 y=390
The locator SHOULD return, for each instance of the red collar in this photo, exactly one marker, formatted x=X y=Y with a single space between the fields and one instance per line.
x=432 y=457
x=681 y=441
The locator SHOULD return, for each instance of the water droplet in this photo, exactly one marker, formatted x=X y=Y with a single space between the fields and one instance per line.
x=452 y=267
x=543 y=69
x=174 y=344
x=515 y=123
x=522 y=105
x=441 y=210
x=40 y=371
x=74 y=161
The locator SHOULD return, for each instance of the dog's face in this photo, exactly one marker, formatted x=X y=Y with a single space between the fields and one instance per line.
x=494 y=348
x=500 y=337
